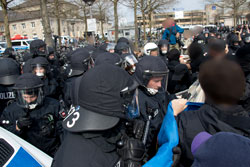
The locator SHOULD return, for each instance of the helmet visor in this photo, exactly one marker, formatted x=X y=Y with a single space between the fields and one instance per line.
x=130 y=63
x=29 y=98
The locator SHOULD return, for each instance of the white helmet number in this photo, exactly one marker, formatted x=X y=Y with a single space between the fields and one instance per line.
x=71 y=123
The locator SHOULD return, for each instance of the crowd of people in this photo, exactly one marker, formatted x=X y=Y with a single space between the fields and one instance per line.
x=103 y=106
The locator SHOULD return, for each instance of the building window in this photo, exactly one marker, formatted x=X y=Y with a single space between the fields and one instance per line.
x=63 y=22
x=33 y=24
x=14 y=27
x=23 y=25
x=2 y=28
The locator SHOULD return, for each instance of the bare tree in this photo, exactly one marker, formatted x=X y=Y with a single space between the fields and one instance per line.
x=134 y=4
x=157 y=6
x=100 y=10
x=115 y=5
x=233 y=5
x=83 y=13
x=58 y=20
x=46 y=23
x=4 y=5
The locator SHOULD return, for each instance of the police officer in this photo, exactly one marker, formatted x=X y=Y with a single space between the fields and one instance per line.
x=38 y=48
x=40 y=67
x=163 y=46
x=122 y=48
x=95 y=127
x=9 y=53
x=110 y=58
x=129 y=63
x=150 y=72
x=33 y=116
x=9 y=71
x=52 y=59
x=80 y=63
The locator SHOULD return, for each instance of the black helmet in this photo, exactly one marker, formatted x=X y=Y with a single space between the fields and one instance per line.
x=122 y=48
x=9 y=53
x=123 y=39
x=129 y=63
x=38 y=48
x=247 y=38
x=149 y=67
x=9 y=71
x=80 y=62
x=200 y=39
x=235 y=39
x=110 y=58
x=29 y=91
x=99 y=98
x=40 y=66
x=163 y=43
x=50 y=50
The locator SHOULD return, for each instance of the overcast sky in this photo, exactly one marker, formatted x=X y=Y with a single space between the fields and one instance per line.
x=186 y=4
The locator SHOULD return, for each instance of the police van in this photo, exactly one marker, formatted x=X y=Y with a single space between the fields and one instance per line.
x=3 y=46
x=17 y=152
x=21 y=44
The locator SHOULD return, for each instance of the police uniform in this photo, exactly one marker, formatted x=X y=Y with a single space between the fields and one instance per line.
x=95 y=126
x=151 y=104
x=37 y=121
x=9 y=71
x=34 y=134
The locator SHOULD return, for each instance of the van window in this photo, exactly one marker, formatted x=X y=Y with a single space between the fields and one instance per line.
x=16 y=43
x=24 y=43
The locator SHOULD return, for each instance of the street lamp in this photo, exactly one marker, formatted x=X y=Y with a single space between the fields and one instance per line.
x=89 y=2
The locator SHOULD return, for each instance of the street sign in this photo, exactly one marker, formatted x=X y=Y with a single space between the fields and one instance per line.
x=213 y=7
x=91 y=25
x=179 y=14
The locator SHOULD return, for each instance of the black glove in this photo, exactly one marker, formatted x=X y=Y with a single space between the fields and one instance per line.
x=135 y=129
x=24 y=122
x=132 y=152
x=47 y=125
x=176 y=156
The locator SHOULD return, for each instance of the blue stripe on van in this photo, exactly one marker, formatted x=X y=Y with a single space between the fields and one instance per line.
x=21 y=47
x=23 y=159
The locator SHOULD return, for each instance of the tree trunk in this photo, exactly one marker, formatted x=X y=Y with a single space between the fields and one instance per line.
x=46 y=23
x=150 y=23
x=58 y=22
x=143 y=19
x=235 y=17
x=102 y=30
x=144 y=24
x=115 y=2
x=85 y=22
x=136 y=25
x=6 y=22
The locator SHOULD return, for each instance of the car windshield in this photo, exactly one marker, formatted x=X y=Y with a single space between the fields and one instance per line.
x=3 y=45
x=29 y=42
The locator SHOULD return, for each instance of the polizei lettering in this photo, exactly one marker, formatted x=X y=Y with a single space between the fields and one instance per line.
x=7 y=95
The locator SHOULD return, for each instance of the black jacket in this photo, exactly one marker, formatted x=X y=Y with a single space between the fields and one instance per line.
x=171 y=83
x=51 y=88
x=87 y=149
x=6 y=96
x=158 y=103
x=211 y=119
x=33 y=134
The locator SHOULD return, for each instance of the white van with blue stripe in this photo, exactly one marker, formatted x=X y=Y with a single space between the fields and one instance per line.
x=23 y=44
x=15 y=152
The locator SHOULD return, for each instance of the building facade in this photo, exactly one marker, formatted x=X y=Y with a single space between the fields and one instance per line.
x=210 y=15
x=25 y=19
